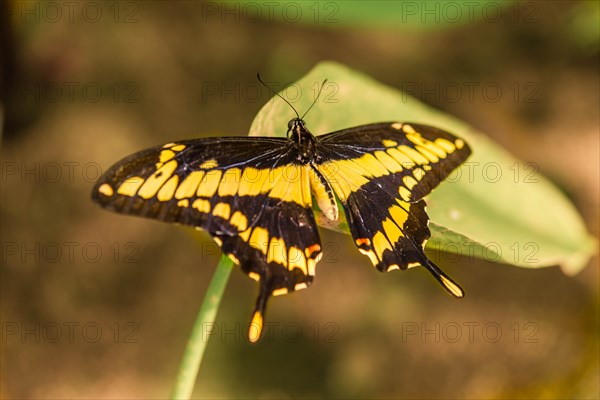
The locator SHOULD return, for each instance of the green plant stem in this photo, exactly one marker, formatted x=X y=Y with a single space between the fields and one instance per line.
x=194 y=352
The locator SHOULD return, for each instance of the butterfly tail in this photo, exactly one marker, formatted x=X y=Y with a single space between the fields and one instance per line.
x=256 y=324
x=451 y=287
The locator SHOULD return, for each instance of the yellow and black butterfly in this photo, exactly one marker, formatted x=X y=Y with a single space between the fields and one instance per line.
x=255 y=196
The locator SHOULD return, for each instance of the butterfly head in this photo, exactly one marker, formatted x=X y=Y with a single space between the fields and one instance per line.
x=296 y=125
x=297 y=132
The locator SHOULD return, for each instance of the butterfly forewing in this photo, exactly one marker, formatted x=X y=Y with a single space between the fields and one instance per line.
x=414 y=157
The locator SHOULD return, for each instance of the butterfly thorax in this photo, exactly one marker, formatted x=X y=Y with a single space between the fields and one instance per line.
x=304 y=140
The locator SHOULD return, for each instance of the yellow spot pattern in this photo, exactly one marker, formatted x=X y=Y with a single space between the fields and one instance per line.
x=391 y=230
x=430 y=146
x=390 y=163
x=230 y=182
x=399 y=213
x=188 y=187
x=404 y=193
x=209 y=184
x=297 y=259
x=402 y=158
x=409 y=182
x=280 y=291
x=239 y=220
x=209 y=164
x=222 y=210
x=345 y=176
x=291 y=183
x=259 y=239
x=446 y=145
x=233 y=258
x=277 y=252
x=418 y=173
x=452 y=287
x=390 y=234
x=130 y=186
x=371 y=254
x=312 y=264
x=201 y=205
x=255 y=329
x=381 y=244
x=156 y=180
x=414 y=155
x=167 y=191
x=408 y=129
x=106 y=189
x=428 y=154
x=252 y=181
x=166 y=155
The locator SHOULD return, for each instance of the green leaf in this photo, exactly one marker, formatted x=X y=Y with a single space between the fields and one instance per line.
x=419 y=15
x=494 y=207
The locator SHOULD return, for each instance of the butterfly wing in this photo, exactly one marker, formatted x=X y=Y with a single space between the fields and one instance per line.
x=250 y=194
x=380 y=173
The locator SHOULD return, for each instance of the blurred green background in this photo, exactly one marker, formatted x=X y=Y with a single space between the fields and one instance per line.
x=97 y=305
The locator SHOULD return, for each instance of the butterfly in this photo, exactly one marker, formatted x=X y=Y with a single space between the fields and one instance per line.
x=255 y=196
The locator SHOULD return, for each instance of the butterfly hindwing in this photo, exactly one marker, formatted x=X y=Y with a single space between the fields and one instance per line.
x=380 y=173
x=250 y=194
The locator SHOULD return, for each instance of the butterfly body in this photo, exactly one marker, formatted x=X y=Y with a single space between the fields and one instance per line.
x=305 y=142
x=255 y=196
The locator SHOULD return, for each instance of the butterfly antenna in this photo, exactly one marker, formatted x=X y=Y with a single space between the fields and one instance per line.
x=277 y=94
x=316 y=98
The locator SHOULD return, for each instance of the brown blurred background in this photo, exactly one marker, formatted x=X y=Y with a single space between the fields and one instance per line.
x=97 y=305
